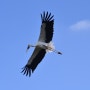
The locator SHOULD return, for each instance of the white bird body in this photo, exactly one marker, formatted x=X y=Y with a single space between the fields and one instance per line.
x=49 y=47
x=43 y=45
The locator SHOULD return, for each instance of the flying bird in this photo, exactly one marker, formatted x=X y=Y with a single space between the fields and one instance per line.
x=43 y=45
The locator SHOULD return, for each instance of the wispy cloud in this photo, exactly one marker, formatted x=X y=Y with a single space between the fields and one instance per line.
x=81 y=25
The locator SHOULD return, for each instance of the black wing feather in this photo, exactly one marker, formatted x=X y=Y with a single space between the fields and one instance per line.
x=30 y=67
x=49 y=16
x=48 y=20
x=46 y=16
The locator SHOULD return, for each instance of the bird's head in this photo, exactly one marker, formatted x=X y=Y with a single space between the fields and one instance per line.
x=28 y=47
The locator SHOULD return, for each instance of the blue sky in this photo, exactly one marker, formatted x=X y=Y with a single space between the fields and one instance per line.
x=20 y=24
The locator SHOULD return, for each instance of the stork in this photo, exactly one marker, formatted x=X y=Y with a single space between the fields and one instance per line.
x=43 y=45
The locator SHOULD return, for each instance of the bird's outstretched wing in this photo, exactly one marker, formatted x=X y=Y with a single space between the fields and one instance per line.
x=34 y=60
x=46 y=33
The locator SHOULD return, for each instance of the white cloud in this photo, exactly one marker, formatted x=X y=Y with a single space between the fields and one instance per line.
x=81 y=25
